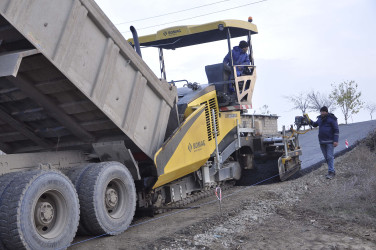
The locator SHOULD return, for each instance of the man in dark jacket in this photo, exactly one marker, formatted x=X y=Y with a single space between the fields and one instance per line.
x=239 y=56
x=328 y=137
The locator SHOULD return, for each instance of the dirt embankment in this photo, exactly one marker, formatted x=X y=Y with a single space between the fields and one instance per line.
x=310 y=212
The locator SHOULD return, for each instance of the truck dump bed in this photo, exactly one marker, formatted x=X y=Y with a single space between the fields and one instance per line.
x=68 y=78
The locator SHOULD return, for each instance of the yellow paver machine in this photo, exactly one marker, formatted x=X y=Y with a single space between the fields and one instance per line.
x=216 y=138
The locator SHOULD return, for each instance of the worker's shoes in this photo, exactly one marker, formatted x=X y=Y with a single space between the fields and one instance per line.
x=330 y=175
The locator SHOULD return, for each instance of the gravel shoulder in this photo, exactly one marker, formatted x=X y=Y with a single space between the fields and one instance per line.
x=309 y=212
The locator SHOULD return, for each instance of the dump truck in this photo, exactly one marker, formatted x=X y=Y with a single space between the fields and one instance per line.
x=90 y=133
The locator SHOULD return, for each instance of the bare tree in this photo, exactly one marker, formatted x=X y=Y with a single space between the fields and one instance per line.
x=347 y=97
x=265 y=110
x=371 y=107
x=318 y=100
x=299 y=101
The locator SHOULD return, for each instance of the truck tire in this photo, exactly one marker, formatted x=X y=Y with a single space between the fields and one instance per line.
x=5 y=180
x=39 y=210
x=75 y=175
x=108 y=198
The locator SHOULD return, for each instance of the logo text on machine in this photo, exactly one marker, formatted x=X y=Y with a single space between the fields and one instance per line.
x=171 y=32
x=196 y=146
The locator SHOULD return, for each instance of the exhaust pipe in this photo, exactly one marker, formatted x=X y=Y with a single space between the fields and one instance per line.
x=136 y=41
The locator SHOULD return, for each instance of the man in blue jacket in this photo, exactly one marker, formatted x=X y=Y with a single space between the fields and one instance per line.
x=328 y=137
x=239 y=56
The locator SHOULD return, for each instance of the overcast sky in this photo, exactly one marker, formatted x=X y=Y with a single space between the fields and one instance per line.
x=302 y=45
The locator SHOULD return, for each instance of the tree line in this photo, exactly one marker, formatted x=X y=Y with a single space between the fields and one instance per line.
x=344 y=96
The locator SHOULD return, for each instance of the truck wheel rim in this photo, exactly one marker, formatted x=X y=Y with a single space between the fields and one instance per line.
x=115 y=198
x=50 y=213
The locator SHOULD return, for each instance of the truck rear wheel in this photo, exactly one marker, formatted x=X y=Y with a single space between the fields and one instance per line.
x=75 y=175
x=39 y=210
x=108 y=198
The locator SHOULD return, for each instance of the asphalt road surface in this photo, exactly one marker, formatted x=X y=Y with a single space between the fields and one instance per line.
x=353 y=133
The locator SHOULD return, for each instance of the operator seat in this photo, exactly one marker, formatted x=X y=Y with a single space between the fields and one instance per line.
x=217 y=73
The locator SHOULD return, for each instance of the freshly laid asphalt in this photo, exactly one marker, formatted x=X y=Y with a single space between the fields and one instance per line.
x=311 y=157
x=353 y=133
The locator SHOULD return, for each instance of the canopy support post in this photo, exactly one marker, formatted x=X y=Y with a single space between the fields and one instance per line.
x=250 y=49
x=161 y=64
x=230 y=50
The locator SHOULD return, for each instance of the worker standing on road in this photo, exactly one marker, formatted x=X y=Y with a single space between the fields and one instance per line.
x=239 y=56
x=328 y=137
